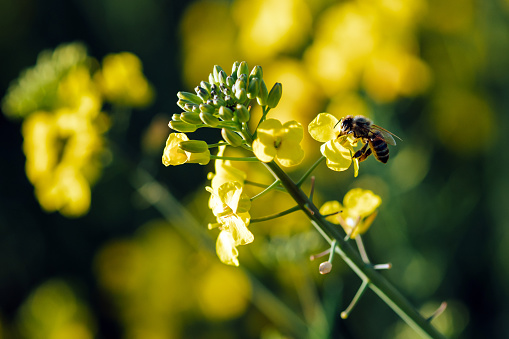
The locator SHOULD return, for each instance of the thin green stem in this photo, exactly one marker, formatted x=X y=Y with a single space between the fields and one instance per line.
x=256 y=184
x=355 y=299
x=309 y=171
x=222 y=143
x=266 y=190
x=385 y=290
x=277 y=215
x=265 y=111
x=251 y=159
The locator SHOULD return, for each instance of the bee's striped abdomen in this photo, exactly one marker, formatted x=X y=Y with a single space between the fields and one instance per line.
x=380 y=149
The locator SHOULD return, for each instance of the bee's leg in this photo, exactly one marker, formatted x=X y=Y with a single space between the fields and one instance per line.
x=363 y=153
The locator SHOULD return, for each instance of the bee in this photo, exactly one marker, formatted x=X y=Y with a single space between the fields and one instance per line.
x=370 y=134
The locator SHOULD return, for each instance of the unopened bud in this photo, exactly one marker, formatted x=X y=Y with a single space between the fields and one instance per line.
x=263 y=94
x=181 y=126
x=191 y=118
x=194 y=146
x=215 y=73
x=207 y=108
x=175 y=117
x=275 y=95
x=242 y=113
x=253 y=88
x=243 y=69
x=241 y=95
x=325 y=267
x=208 y=119
x=206 y=85
x=189 y=97
x=225 y=113
x=230 y=81
x=222 y=77
x=231 y=137
x=256 y=73
x=202 y=93
x=235 y=67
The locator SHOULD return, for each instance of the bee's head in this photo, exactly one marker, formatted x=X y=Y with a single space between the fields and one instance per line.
x=346 y=124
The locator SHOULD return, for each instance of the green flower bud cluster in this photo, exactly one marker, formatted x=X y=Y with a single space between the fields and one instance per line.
x=224 y=102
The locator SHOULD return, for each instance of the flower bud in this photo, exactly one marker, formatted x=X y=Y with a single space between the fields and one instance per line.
x=256 y=73
x=215 y=73
x=242 y=113
x=230 y=81
x=206 y=85
x=222 y=77
x=218 y=102
x=182 y=103
x=263 y=94
x=175 y=117
x=243 y=69
x=211 y=79
x=231 y=137
x=191 y=118
x=208 y=119
x=194 y=146
x=207 y=108
x=189 y=97
x=325 y=267
x=181 y=126
x=253 y=88
x=190 y=107
x=239 y=84
x=275 y=95
x=202 y=93
x=235 y=67
x=225 y=113
x=241 y=95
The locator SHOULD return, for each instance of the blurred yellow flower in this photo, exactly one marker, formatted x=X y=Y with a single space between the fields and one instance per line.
x=122 y=82
x=272 y=26
x=357 y=213
x=62 y=158
x=231 y=207
x=53 y=311
x=338 y=151
x=174 y=155
x=280 y=142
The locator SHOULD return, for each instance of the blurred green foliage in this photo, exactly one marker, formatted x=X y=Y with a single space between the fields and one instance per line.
x=433 y=72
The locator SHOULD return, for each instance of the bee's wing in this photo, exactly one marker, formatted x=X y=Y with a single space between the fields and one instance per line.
x=388 y=136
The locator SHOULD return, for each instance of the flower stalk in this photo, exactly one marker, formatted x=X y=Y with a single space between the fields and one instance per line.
x=374 y=280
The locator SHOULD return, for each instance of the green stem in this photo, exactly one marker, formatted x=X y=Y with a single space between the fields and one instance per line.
x=385 y=290
x=252 y=159
x=266 y=190
x=309 y=171
x=277 y=215
x=256 y=184
x=218 y=144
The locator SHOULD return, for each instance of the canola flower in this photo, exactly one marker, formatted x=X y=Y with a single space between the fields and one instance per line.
x=337 y=151
x=224 y=103
x=64 y=127
x=357 y=212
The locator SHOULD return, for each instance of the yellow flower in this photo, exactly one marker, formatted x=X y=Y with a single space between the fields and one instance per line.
x=174 y=155
x=338 y=151
x=280 y=142
x=122 y=82
x=62 y=158
x=225 y=172
x=357 y=213
x=230 y=205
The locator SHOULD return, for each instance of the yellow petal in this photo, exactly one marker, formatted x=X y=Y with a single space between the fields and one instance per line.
x=290 y=153
x=322 y=127
x=172 y=154
x=293 y=131
x=264 y=152
x=238 y=229
x=226 y=250
x=361 y=202
x=338 y=157
x=330 y=207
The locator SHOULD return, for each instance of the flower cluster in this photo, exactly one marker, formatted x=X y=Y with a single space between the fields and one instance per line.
x=61 y=101
x=224 y=103
x=357 y=212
